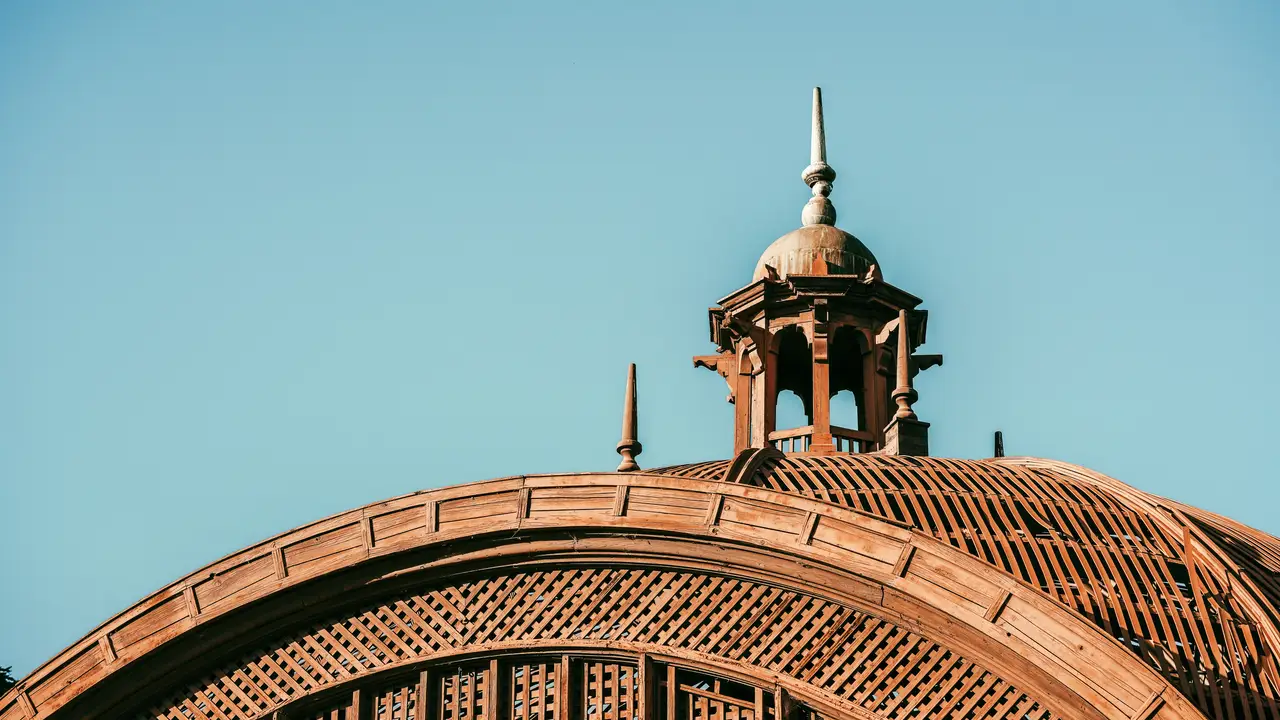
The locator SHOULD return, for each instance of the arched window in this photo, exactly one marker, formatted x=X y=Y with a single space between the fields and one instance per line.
x=845 y=411
x=848 y=380
x=791 y=412
x=795 y=374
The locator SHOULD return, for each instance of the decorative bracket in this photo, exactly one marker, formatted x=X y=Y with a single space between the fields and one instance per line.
x=724 y=365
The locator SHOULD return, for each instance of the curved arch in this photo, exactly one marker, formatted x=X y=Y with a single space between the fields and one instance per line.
x=518 y=656
x=888 y=571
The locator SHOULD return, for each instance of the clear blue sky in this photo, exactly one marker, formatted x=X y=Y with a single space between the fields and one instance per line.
x=262 y=262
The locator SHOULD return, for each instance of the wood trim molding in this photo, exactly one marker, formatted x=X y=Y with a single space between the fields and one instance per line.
x=1075 y=664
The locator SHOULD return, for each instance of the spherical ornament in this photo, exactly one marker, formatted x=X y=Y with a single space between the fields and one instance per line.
x=818 y=211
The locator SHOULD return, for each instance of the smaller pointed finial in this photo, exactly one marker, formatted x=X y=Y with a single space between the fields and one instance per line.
x=630 y=446
x=818 y=175
x=818 y=139
x=999 y=444
x=904 y=395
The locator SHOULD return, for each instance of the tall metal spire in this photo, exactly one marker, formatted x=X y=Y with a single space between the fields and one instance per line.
x=630 y=446
x=819 y=175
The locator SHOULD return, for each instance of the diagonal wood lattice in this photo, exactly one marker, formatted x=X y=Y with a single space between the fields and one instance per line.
x=1169 y=582
x=854 y=657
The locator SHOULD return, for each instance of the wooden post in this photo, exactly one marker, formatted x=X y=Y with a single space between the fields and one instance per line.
x=781 y=703
x=872 y=389
x=742 y=404
x=821 y=440
x=357 y=706
x=647 y=695
x=495 y=699
x=564 y=697
x=769 y=416
x=671 y=692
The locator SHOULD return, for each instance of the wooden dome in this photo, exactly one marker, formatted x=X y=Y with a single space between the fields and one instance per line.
x=1195 y=595
x=767 y=587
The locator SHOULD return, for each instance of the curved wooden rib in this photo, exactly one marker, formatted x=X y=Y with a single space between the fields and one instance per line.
x=912 y=580
x=1191 y=594
x=1216 y=571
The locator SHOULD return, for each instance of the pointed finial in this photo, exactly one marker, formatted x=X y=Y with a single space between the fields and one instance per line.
x=904 y=395
x=630 y=446
x=819 y=175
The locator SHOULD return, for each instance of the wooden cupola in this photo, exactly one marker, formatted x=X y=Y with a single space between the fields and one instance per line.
x=817 y=319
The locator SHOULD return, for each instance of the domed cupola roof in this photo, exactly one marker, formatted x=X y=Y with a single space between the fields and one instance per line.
x=818 y=247
x=797 y=253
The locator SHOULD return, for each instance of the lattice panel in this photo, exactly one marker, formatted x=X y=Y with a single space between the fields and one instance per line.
x=848 y=654
x=1084 y=546
x=609 y=691
x=705 y=697
x=533 y=691
x=398 y=702
x=466 y=694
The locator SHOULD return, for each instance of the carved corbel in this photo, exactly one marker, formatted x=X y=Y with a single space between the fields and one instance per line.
x=724 y=365
x=886 y=331
x=745 y=329
x=884 y=359
x=920 y=363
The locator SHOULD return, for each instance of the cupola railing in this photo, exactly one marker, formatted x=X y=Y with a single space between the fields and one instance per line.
x=799 y=439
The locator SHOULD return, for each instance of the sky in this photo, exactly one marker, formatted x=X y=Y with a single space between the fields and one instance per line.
x=264 y=262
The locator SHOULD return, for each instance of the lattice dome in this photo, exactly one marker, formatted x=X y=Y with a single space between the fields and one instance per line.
x=1194 y=594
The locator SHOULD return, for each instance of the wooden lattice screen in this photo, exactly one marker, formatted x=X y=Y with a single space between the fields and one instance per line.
x=1086 y=546
x=849 y=655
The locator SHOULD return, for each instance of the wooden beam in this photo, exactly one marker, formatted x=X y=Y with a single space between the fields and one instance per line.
x=358 y=711
x=671 y=692
x=564 y=693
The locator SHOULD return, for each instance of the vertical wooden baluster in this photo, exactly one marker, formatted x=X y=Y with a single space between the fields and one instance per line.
x=457 y=695
x=563 y=711
x=671 y=692
x=494 y=709
x=357 y=707
x=644 y=694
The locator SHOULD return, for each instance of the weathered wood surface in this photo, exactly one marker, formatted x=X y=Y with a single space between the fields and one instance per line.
x=942 y=594
x=1193 y=594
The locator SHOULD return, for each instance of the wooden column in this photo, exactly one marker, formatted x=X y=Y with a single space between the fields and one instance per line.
x=872 y=389
x=770 y=416
x=647 y=690
x=781 y=704
x=821 y=441
x=495 y=699
x=564 y=694
x=357 y=711
x=743 y=403
x=671 y=692
x=762 y=408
